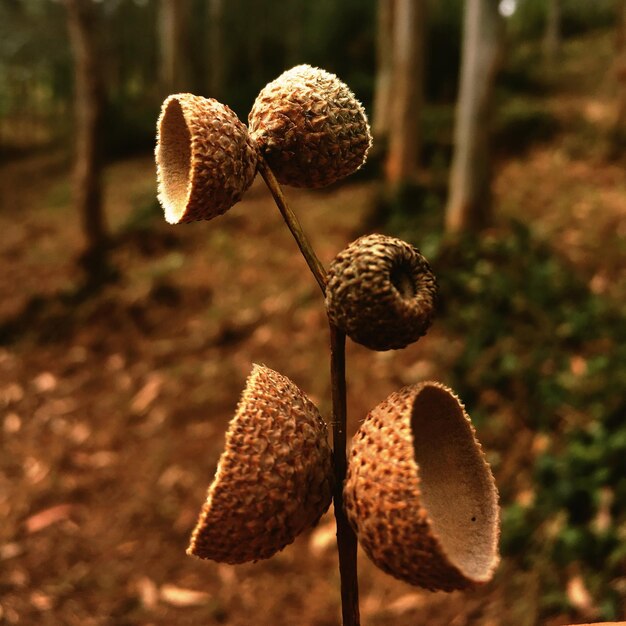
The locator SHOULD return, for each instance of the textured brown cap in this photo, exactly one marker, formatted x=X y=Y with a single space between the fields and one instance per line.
x=381 y=292
x=310 y=127
x=419 y=493
x=274 y=478
x=205 y=158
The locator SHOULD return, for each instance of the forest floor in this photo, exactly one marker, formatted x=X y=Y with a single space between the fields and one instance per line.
x=113 y=408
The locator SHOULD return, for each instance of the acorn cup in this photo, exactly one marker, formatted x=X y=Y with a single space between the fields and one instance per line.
x=205 y=158
x=274 y=478
x=381 y=292
x=310 y=127
x=420 y=494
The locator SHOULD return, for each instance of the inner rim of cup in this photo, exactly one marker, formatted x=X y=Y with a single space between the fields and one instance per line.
x=457 y=488
x=174 y=160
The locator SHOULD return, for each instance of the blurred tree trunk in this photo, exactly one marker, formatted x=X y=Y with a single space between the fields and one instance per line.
x=89 y=106
x=216 y=48
x=469 y=201
x=383 y=89
x=408 y=86
x=173 y=37
x=552 y=37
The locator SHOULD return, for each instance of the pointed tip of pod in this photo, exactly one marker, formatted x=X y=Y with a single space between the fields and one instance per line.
x=274 y=478
x=420 y=493
x=205 y=158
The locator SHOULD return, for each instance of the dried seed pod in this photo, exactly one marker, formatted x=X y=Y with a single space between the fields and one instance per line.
x=419 y=492
x=310 y=127
x=381 y=292
x=205 y=158
x=274 y=478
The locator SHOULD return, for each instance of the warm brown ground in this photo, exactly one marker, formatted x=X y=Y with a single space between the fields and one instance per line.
x=112 y=412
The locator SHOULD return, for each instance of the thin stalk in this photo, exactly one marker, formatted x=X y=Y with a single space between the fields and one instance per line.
x=346 y=539
x=294 y=225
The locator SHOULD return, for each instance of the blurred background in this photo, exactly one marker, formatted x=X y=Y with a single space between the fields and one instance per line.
x=124 y=342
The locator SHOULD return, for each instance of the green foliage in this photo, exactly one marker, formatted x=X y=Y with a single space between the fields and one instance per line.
x=577 y=16
x=555 y=354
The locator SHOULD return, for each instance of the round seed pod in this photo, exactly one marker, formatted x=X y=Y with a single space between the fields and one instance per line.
x=205 y=158
x=381 y=292
x=310 y=127
x=273 y=480
x=420 y=494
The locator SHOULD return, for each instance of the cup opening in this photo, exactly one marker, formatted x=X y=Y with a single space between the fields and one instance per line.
x=457 y=488
x=402 y=279
x=174 y=161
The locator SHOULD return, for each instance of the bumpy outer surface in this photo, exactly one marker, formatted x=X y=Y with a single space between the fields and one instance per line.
x=381 y=292
x=419 y=492
x=310 y=127
x=205 y=158
x=274 y=478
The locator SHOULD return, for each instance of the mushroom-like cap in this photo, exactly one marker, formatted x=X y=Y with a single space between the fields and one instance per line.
x=381 y=292
x=420 y=494
x=310 y=127
x=205 y=158
x=273 y=480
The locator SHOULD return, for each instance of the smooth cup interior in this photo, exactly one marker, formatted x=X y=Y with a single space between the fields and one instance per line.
x=174 y=161
x=457 y=488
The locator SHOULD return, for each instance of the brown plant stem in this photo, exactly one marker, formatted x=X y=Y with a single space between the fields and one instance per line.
x=346 y=538
x=294 y=225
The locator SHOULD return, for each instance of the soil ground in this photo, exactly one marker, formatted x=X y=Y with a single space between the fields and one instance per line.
x=113 y=409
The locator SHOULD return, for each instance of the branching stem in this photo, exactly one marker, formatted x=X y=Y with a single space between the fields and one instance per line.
x=346 y=539
x=294 y=225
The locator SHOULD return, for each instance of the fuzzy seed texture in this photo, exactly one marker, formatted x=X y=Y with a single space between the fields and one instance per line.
x=205 y=158
x=420 y=494
x=273 y=480
x=381 y=292
x=310 y=127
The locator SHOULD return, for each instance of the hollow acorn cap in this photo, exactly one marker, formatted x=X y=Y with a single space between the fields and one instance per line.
x=205 y=158
x=381 y=292
x=273 y=480
x=310 y=127
x=420 y=494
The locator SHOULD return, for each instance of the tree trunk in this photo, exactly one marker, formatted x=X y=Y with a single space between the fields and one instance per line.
x=383 y=89
x=552 y=37
x=406 y=108
x=89 y=105
x=469 y=203
x=173 y=37
x=216 y=48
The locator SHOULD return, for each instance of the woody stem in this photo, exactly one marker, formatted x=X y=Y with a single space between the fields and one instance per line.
x=315 y=265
